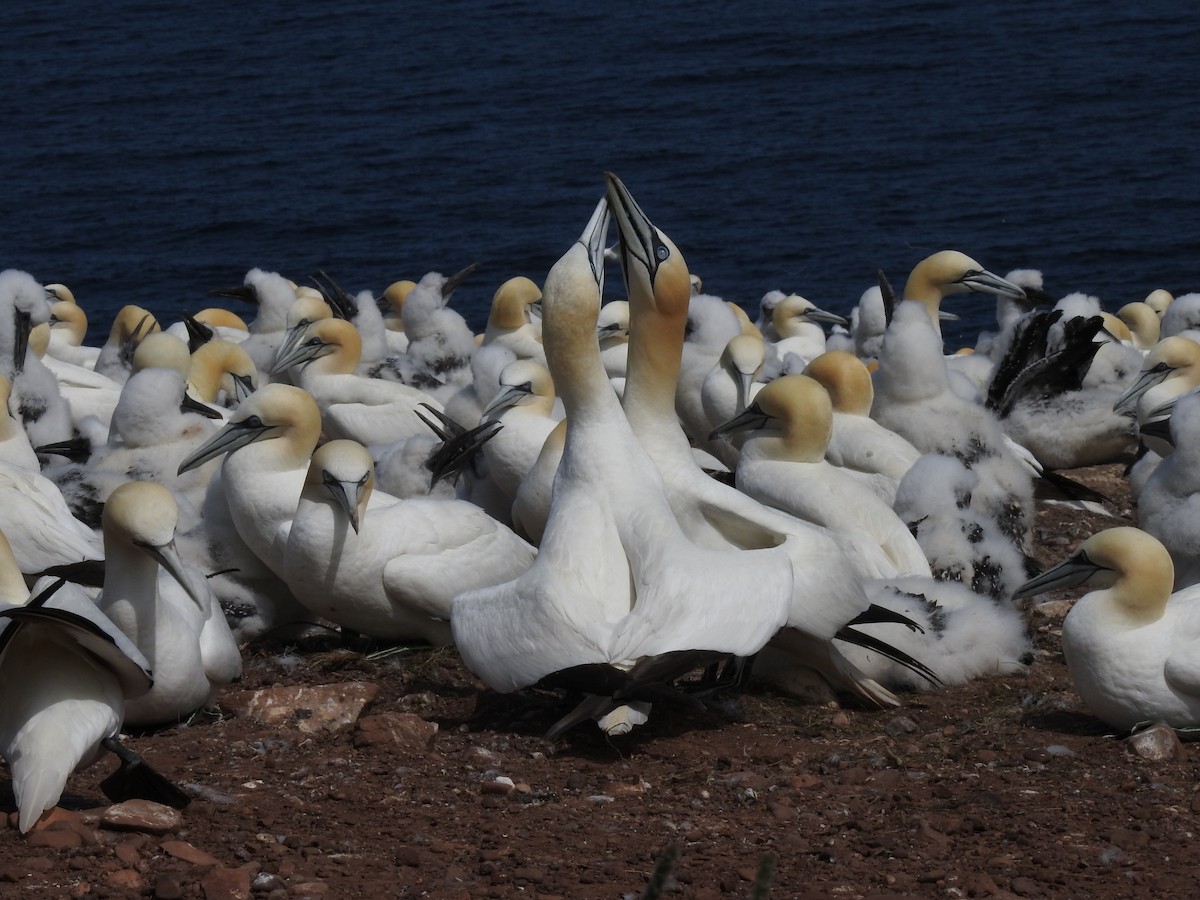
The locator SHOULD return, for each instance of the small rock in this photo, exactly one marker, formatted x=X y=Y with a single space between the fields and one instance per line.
x=482 y=756
x=127 y=853
x=502 y=786
x=54 y=839
x=308 y=889
x=405 y=730
x=226 y=884
x=839 y=719
x=125 y=879
x=900 y=725
x=987 y=756
x=265 y=882
x=169 y=886
x=184 y=851
x=408 y=856
x=1158 y=743
x=1025 y=887
x=1055 y=610
x=142 y=815
x=782 y=813
x=310 y=709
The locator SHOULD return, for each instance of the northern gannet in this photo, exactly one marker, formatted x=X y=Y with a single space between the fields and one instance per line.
x=368 y=410
x=617 y=599
x=68 y=328
x=166 y=609
x=1132 y=646
x=130 y=325
x=391 y=572
x=783 y=464
x=524 y=406
x=715 y=515
x=1169 y=503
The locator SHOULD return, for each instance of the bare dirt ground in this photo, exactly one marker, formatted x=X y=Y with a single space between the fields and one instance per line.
x=1004 y=787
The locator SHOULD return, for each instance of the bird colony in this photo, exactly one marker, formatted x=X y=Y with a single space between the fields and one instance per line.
x=632 y=497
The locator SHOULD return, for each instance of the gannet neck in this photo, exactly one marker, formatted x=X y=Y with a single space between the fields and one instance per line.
x=393 y=299
x=570 y=308
x=162 y=350
x=748 y=326
x=39 y=339
x=656 y=278
x=1116 y=327
x=68 y=320
x=1143 y=324
x=59 y=292
x=217 y=317
x=1158 y=300
x=846 y=379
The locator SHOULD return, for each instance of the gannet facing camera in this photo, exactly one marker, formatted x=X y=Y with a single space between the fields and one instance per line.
x=1132 y=647
x=393 y=571
x=169 y=613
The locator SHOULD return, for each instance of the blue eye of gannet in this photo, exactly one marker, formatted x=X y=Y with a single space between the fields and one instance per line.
x=662 y=252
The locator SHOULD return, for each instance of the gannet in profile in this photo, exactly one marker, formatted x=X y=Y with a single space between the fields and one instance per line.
x=66 y=673
x=798 y=322
x=618 y=599
x=948 y=272
x=68 y=328
x=524 y=406
x=1143 y=324
x=510 y=323
x=221 y=374
x=368 y=410
x=783 y=465
x=1132 y=647
x=714 y=515
x=168 y=612
x=858 y=443
x=273 y=295
x=392 y=572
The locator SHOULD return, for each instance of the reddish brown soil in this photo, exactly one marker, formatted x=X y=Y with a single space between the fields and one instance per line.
x=1002 y=787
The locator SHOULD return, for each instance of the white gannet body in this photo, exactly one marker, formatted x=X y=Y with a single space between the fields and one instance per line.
x=166 y=609
x=712 y=514
x=783 y=465
x=393 y=572
x=1132 y=647
x=35 y=399
x=524 y=406
x=615 y=583
x=371 y=411
x=66 y=673
x=1169 y=503
x=875 y=455
x=798 y=322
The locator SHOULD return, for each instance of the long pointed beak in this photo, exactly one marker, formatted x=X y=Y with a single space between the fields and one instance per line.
x=744 y=381
x=611 y=330
x=1145 y=381
x=504 y=399
x=198 y=333
x=233 y=436
x=639 y=239
x=824 y=317
x=192 y=405
x=1157 y=428
x=944 y=316
x=593 y=237
x=243 y=292
x=1071 y=572
x=346 y=494
x=302 y=352
x=450 y=285
x=985 y=282
x=291 y=338
x=168 y=557
x=749 y=419
x=243 y=387
x=24 y=324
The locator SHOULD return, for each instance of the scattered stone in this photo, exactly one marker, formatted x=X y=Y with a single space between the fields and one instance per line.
x=1054 y=610
x=265 y=882
x=125 y=879
x=54 y=839
x=1025 y=887
x=142 y=815
x=900 y=725
x=226 y=884
x=169 y=886
x=782 y=813
x=184 y=851
x=839 y=719
x=308 y=889
x=405 y=730
x=310 y=709
x=1158 y=743
x=501 y=785
x=482 y=756
x=127 y=853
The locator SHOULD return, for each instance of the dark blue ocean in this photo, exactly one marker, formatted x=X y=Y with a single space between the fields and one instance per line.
x=152 y=151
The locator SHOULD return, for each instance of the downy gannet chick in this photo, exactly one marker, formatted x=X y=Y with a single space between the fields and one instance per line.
x=165 y=608
x=618 y=601
x=440 y=342
x=1132 y=647
x=392 y=572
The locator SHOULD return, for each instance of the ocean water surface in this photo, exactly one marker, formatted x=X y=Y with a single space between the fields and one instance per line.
x=153 y=151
